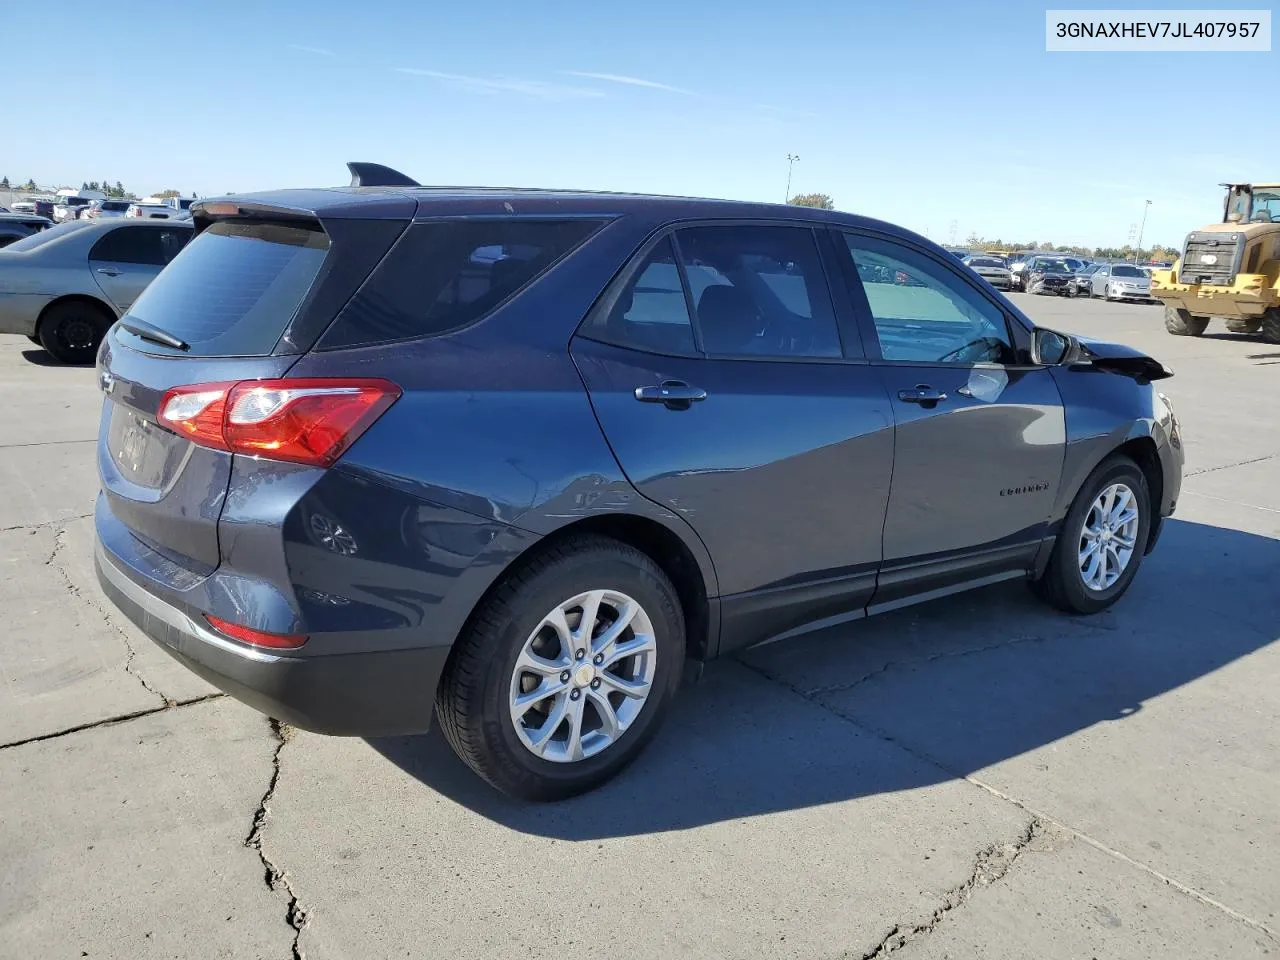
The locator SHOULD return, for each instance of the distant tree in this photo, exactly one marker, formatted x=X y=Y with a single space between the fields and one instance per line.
x=30 y=185
x=4 y=184
x=119 y=189
x=165 y=194
x=819 y=200
x=193 y=195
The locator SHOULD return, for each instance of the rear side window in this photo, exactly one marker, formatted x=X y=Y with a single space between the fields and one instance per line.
x=443 y=275
x=759 y=291
x=234 y=289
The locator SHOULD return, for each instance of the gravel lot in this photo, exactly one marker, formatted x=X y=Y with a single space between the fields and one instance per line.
x=976 y=777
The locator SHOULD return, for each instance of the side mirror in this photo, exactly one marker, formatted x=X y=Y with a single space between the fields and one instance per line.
x=1053 y=348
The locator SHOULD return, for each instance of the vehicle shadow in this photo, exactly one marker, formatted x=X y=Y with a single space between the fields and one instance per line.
x=908 y=699
x=42 y=358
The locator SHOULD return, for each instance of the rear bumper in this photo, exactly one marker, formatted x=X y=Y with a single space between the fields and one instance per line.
x=375 y=693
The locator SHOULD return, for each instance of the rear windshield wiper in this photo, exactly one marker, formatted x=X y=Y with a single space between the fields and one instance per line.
x=154 y=334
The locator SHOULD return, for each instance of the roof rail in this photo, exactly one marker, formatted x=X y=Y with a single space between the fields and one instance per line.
x=376 y=175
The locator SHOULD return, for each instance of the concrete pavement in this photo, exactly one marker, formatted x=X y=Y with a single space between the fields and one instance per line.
x=977 y=777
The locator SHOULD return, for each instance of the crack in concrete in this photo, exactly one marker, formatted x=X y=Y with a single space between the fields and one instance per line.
x=111 y=721
x=915 y=661
x=1037 y=815
x=1228 y=466
x=1125 y=858
x=275 y=878
x=33 y=527
x=990 y=866
x=131 y=652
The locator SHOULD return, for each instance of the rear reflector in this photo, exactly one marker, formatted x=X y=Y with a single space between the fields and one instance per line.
x=259 y=638
x=312 y=421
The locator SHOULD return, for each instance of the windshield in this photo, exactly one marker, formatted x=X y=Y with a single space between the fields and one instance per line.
x=1052 y=266
x=46 y=236
x=984 y=262
x=1122 y=270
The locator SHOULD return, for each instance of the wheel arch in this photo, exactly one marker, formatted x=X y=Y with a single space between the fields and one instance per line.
x=686 y=565
x=97 y=302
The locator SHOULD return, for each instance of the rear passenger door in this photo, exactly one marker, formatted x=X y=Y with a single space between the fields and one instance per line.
x=980 y=431
x=732 y=394
x=126 y=259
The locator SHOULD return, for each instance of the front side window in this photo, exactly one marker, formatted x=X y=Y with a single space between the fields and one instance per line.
x=759 y=291
x=923 y=312
x=650 y=313
x=137 y=244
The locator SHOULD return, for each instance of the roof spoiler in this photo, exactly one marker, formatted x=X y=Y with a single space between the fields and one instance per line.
x=376 y=175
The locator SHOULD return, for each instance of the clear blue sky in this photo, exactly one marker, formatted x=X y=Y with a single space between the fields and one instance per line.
x=920 y=113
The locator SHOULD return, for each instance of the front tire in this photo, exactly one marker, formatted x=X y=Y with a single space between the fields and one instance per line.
x=71 y=332
x=1182 y=323
x=565 y=670
x=1102 y=540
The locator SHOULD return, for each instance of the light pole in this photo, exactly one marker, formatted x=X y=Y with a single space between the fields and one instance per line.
x=791 y=162
x=1145 y=208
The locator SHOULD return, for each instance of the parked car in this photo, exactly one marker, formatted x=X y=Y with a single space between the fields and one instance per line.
x=23 y=206
x=106 y=209
x=511 y=456
x=1121 y=281
x=69 y=204
x=1018 y=264
x=152 y=211
x=994 y=271
x=1049 y=275
x=1081 y=281
x=16 y=226
x=65 y=286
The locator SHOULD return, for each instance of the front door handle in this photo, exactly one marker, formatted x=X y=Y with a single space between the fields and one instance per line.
x=109 y=271
x=675 y=394
x=923 y=394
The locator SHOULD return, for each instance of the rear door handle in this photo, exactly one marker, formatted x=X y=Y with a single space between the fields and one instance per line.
x=675 y=394
x=923 y=394
x=109 y=271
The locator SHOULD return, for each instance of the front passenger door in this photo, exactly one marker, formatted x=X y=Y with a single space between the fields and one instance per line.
x=979 y=431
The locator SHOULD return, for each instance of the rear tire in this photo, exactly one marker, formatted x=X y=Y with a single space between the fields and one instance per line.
x=1182 y=323
x=1270 y=325
x=1064 y=581
x=72 y=331
x=477 y=698
x=34 y=339
x=1242 y=326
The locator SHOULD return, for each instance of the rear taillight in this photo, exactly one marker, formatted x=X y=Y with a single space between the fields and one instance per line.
x=259 y=638
x=311 y=421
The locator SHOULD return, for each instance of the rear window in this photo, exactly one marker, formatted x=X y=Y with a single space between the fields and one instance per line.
x=234 y=289
x=46 y=236
x=446 y=274
x=115 y=204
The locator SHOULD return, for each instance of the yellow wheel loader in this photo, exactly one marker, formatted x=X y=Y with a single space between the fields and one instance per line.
x=1229 y=269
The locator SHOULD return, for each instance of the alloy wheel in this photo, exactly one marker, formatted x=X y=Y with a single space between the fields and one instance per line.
x=1109 y=537
x=583 y=676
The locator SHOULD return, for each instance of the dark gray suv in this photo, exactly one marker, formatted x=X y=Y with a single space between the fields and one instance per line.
x=512 y=456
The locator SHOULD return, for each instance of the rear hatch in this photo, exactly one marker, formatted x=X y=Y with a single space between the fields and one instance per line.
x=246 y=297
